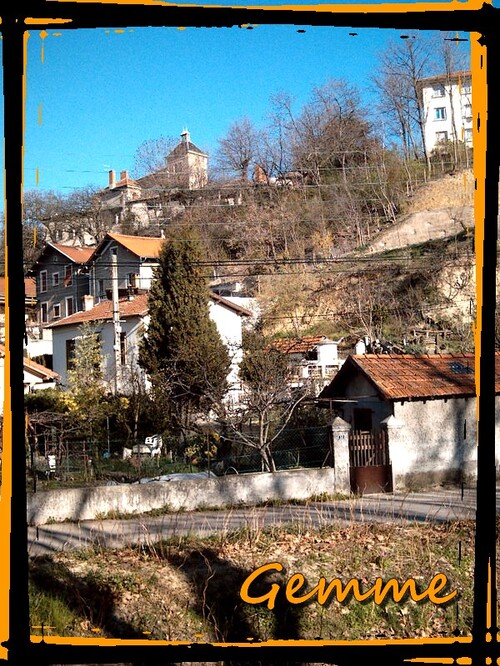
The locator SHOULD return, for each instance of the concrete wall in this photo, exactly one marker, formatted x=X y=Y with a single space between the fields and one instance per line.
x=246 y=489
x=436 y=441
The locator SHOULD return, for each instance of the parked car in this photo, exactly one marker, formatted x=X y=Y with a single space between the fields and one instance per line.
x=180 y=476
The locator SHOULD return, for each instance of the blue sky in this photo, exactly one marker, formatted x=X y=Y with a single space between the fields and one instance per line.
x=100 y=93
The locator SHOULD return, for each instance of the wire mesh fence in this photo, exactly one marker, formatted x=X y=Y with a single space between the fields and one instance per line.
x=80 y=463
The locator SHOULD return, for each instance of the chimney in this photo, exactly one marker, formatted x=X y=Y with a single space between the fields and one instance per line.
x=111 y=179
x=123 y=175
x=185 y=136
x=88 y=302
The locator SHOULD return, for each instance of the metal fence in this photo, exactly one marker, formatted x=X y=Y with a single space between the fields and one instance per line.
x=88 y=463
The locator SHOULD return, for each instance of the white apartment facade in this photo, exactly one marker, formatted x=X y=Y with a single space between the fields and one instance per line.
x=447 y=105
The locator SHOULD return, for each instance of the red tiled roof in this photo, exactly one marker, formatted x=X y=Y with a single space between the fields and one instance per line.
x=142 y=246
x=409 y=376
x=29 y=287
x=79 y=255
x=298 y=345
x=446 y=77
x=126 y=182
x=34 y=367
x=138 y=306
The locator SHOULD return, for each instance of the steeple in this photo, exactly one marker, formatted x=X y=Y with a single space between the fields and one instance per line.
x=185 y=137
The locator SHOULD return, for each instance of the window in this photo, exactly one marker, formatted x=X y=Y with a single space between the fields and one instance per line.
x=440 y=113
x=55 y=279
x=68 y=275
x=441 y=136
x=70 y=307
x=102 y=293
x=123 y=348
x=132 y=280
x=44 y=313
x=70 y=353
x=466 y=88
x=43 y=281
x=468 y=135
x=467 y=112
x=438 y=90
x=57 y=310
x=71 y=350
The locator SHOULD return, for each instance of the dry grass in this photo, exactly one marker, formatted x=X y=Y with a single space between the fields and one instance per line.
x=453 y=191
x=188 y=589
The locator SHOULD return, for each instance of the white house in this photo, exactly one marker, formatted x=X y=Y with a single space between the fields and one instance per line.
x=116 y=366
x=447 y=104
x=120 y=365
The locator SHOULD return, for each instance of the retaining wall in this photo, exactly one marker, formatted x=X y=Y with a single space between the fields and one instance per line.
x=76 y=504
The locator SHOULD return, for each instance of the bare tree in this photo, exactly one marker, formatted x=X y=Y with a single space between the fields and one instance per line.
x=238 y=150
x=79 y=217
x=402 y=66
x=150 y=156
x=267 y=401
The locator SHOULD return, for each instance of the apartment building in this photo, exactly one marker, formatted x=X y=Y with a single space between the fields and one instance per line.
x=447 y=104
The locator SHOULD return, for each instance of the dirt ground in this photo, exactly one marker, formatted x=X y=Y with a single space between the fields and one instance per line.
x=451 y=191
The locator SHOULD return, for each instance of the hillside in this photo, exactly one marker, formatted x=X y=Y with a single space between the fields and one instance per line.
x=438 y=209
x=413 y=283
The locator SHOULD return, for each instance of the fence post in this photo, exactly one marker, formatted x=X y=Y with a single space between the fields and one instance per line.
x=340 y=444
x=398 y=454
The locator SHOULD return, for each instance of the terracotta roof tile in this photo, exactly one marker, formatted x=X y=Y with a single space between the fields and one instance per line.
x=79 y=255
x=298 y=345
x=142 y=246
x=407 y=376
x=34 y=367
x=138 y=306
x=29 y=287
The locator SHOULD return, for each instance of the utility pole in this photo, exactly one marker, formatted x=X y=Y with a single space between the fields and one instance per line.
x=116 y=319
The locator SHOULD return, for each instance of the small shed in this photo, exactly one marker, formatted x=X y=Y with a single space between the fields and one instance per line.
x=420 y=410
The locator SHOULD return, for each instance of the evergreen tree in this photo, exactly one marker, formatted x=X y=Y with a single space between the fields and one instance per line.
x=182 y=352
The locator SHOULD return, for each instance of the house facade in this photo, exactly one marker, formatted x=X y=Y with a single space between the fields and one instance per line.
x=229 y=319
x=35 y=377
x=128 y=260
x=187 y=165
x=62 y=281
x=447 y=104
x=121 y=196
x=30 y=307
x=120 y=366
x=423 y=407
